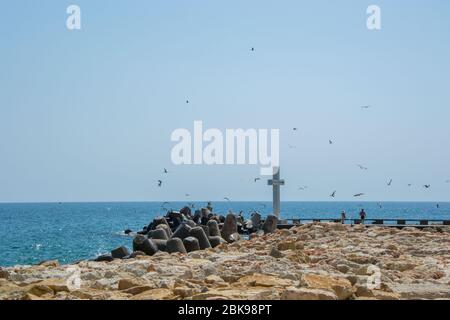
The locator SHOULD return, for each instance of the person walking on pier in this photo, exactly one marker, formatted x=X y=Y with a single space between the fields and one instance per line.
x=343 y=216
x=362 y=215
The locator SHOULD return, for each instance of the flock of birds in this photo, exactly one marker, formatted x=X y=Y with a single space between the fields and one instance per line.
x=302 y=188
x=360 y=166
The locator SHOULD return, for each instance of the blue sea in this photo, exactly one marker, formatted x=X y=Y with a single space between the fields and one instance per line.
x=31 y=233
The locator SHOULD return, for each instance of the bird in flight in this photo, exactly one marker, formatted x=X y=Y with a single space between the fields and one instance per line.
x=359 y=195
x=187 y=101
x=159 y=183
x=303 y=188
x=187 y=195
x=256 y=179
x=253 y=49
x=362 y=167
x=448 y=181
x=330 y=141
x=379 y=205
x=333 y=194
x=427 y=186
x=389 y=183
x=409 y=184
x=365 y=107
x=226 y=198
x=165 y=170
x=295 y=129
x=437 y=205
x=164 y=203
x=291 y=146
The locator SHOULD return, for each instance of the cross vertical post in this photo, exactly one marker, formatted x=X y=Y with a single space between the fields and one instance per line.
x=276 y=182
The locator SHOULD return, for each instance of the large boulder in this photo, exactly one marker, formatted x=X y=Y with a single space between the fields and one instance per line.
x=120 y=253
x=191 y=223
x=104 y=258
x=161 y=244
x=213 y=228
x=205 y=228
x=293 y=293
x=270 y=224
x=197 y=216
x=142 y=243
x=215 y=241
x=175 y=245
x=186 y=211
x=191 y=244
x=136 y=254
x=229 y=227
x=182 y=231
x=255 y=220
x=340 y=286
x=200 y=235
x=159 y=220
x=166 y=228
x=158 y=234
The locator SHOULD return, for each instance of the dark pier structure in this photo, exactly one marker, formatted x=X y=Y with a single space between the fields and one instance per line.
x=396 y=223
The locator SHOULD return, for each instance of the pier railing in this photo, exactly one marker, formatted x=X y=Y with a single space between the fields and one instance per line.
x=373 y=221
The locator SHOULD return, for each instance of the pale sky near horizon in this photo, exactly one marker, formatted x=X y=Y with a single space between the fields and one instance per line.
x=87 y=115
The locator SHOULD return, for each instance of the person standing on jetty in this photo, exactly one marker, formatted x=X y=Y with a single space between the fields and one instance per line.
x=362 y=215
x=343 y=216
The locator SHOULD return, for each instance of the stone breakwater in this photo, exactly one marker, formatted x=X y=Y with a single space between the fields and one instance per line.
x=315 y=261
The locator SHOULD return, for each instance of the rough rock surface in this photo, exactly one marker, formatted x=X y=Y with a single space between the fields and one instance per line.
x=315 y=261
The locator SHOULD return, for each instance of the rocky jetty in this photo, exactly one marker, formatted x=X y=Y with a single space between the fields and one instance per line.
x=311 y=262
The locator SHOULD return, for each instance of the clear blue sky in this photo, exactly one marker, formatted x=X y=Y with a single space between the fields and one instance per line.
x=87 y=115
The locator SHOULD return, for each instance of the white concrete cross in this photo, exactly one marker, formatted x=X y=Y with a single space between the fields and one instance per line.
x=276 y=182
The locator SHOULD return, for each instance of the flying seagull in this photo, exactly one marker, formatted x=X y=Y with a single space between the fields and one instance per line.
x=164 y=203
x=427 y=186
x=330 y=141
x=294 y=129
x=362 y=167
x=165 y=170
x=291 y=146
x=390 y=182
x=303 y=188
x=187 y=195
x=256 y=179
x=359 y=195
x=409 y=184
x=253 y=49
x=448 y=181
x=159 y=183
x=333 y=194
x=226 y=198
x=365 y=107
